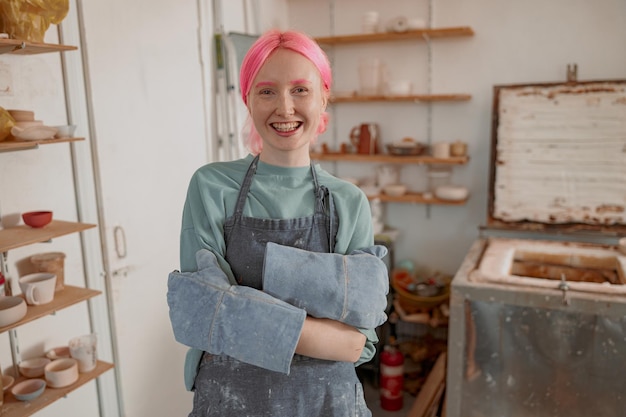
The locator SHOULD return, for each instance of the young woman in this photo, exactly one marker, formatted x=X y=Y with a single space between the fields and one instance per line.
x=281 y=287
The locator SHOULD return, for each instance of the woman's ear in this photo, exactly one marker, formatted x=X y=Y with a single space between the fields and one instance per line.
x=325 y=99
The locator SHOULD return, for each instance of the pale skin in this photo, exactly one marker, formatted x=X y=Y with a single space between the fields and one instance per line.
x=285 y=103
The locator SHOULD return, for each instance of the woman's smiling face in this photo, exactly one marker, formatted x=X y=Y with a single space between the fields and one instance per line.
x=285 y=102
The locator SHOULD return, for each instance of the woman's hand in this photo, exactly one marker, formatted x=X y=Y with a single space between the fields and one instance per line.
x=330 y=340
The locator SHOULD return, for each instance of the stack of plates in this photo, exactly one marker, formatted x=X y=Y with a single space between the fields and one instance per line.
x=27 y=128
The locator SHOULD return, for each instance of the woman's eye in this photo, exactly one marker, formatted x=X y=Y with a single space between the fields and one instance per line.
x=300 y=90
x=265 y=92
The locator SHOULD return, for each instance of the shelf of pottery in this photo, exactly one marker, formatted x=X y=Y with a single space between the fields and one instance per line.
x=39 y=381
x=365 y=145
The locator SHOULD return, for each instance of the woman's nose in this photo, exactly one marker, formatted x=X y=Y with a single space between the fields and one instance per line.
x=285 y=105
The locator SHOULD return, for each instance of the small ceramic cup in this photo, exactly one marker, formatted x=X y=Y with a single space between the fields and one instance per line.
x=441 y=150
x=38 y=288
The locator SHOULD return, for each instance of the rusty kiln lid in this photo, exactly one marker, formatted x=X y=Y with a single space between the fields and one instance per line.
x=558 y=157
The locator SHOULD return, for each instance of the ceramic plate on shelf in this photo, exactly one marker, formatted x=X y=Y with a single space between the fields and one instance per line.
x=34 y=132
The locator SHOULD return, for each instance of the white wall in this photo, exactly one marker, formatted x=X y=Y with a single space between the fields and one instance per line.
x=514 y=42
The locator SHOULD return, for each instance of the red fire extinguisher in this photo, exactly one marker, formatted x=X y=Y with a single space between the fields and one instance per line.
x=391 y=378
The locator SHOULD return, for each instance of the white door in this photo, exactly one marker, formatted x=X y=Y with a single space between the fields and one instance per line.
x=149 y=124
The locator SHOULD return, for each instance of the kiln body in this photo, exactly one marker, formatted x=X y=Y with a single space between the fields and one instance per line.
x=538 y=325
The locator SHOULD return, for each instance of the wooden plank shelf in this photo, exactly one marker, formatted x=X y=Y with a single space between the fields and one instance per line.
x=415 y=98
x=13 y=407
x=64 y=298
x=20 y=145
x=419 y=34
x=22 y=235
x=389 y=159
x=20 y=47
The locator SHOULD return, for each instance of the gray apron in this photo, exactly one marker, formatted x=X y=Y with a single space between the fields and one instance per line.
x=314 y=388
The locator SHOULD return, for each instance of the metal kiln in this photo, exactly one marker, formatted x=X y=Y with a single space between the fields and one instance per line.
x=538 y=306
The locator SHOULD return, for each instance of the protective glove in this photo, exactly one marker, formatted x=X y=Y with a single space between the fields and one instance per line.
x=350 y=288
x=209 y=314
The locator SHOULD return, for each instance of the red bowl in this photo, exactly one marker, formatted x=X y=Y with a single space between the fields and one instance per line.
x=37 y=218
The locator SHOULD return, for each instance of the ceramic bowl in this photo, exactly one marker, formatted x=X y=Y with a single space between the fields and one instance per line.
x=400 y=87
x=395 y=190
x=34 y=132
x=66 y=131
x=22 y=115
x=7 y=382
x=12 y=310
x=58 y=352
x=451 y=192
x=61 y=372
x=37 y=218
x=405 y=148
x=30 y=123
x=29 y=390
x=33 y=368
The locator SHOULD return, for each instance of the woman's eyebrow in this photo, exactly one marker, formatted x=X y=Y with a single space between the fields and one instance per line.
x=300 y=81
x=264 y=84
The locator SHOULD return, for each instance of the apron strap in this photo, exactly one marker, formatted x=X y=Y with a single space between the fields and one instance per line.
x=323 y=194
x=245 y=187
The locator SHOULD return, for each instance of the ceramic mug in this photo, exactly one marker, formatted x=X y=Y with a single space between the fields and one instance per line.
x=441 y=150
x=38 y=288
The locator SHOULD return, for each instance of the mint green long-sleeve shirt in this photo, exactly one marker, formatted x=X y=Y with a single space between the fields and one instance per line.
x=277 y=193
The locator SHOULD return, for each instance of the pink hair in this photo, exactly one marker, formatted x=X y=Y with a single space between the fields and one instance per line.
x=259 y=52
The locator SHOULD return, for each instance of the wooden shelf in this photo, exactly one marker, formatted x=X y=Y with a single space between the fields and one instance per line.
x=417 y=98
x=15 y=408
x=19 y=47
x=22 y=235
x=64 y=298
x=421 y=34
x=20 y=145
x=416 y=198
x=389 y=159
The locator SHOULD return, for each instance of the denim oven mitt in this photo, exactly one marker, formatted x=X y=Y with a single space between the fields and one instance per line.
x=209 y=314
x=350 y=288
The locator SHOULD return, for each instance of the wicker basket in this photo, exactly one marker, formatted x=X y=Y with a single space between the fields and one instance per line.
x=413 y=303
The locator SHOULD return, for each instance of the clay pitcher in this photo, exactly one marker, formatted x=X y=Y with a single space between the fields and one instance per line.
x=365 y=138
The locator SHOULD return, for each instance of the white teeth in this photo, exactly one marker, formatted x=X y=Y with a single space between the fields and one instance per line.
x=285 y=127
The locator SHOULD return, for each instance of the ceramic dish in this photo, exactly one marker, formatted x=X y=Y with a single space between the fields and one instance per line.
x=66 y=131
x=395 y=190
x=27 y=124
x=12 y=310
x=22 y=115
x=451 y=192
x=400 y=149
x=58 y=352
x=33 y=368
x=37 y=218
x=29 y=390
x=61 y=372
x=34 y=132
